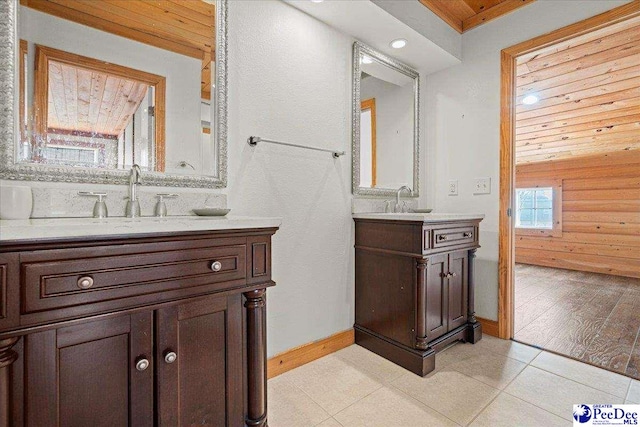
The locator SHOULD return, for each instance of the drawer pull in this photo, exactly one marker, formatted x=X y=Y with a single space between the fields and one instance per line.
x=216 y=266
x=142 y=364
x=85 y=282
x=170 y=357
x=442 y=238
x=468 y=234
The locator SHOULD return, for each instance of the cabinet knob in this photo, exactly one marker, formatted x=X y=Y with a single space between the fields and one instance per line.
x=442 y=237
x=142 y=364
x=452 y=274
x=85 y=282
x=216 y=266
x=170 y=356
x=468 y=234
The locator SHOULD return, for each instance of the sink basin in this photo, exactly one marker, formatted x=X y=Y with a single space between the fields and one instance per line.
x=50 y=228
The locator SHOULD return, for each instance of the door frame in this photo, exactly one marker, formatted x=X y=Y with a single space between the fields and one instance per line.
x=506 y=241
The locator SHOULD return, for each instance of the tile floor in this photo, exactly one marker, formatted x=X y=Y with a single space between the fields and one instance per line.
x=587 y=316
x=492 y=383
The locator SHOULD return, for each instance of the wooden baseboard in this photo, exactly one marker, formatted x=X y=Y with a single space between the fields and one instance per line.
x=291 y=359
x=489 y=327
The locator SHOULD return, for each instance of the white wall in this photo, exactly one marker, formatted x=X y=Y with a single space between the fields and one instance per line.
x=289 y=79
x=183 y=74
x=463 y=122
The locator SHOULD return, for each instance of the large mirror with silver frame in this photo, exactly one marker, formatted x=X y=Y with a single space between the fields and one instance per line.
x=385 y=120
x=91 y=88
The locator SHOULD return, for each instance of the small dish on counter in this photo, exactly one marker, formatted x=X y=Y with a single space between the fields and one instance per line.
x=421 y=210
x=211 y=211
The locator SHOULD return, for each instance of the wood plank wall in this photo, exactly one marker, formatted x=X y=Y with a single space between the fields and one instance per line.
x=600 y=212
x=588 y=91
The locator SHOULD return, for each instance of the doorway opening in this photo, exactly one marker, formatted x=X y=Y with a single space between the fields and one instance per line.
x=570 y=191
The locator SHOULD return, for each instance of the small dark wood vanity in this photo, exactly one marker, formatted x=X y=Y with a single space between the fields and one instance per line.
x=414 y=287
x=155 y=329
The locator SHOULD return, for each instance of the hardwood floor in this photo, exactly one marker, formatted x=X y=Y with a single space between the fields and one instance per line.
x=594 y=318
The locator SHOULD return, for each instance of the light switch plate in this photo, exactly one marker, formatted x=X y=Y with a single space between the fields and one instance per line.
x=482 y=186
x=453 y=187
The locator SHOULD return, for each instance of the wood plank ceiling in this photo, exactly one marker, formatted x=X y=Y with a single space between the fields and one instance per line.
x=463 y=15
x=181 y=26
x=588 y=91
x=91 y=102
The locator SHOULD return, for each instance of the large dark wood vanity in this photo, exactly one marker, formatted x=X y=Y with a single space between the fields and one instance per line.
x=160 y=329
x=414 y=288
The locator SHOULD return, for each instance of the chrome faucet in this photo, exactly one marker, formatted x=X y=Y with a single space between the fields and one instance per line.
x=397 y=208
x=133 y=206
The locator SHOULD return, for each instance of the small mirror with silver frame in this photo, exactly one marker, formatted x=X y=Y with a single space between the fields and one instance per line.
x=385 y=124
x=89 y=90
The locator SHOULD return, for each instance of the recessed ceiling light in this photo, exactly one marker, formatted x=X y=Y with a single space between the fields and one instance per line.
x=366 y=60
x=529 y=100
x=398 y=43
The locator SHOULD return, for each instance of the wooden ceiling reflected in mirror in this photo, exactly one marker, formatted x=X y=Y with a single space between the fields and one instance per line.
x=181 y=26
x=86 y=107
x=463 y=15
x=580 y=97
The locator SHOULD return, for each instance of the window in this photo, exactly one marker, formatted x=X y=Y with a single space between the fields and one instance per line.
x=538 y=207
x=534 y=208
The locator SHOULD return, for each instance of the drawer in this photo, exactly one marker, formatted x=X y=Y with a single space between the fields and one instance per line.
x=453 y=236
x=55 y=284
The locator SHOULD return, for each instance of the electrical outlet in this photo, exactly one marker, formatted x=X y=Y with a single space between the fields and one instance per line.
x=482 y=186
x=453 y=187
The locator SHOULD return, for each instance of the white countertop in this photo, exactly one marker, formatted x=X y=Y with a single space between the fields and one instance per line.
x=52 y=228
x=424 y=217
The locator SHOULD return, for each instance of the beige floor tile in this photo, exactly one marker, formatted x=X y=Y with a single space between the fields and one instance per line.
x=290 y=407
x=333 y=383
x=509 y=348
x=456 y=353
x=583 y=373
x=388 y=407
x=634 y=391
x=509 y=411
x=330 y=423
x=492 y=369
x=451 y=393
x=377 y=366
x=555 y=393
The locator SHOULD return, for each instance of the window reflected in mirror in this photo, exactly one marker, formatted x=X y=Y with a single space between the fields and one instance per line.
x=90 y=113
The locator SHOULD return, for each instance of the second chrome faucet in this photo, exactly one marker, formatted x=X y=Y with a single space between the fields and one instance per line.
x=132 y=210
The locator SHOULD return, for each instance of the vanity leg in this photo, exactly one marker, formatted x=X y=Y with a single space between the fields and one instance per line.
x=421 y=315
x=7 y=357
x=256 y=358
x=474 y=328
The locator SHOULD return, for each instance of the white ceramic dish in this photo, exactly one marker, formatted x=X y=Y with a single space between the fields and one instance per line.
x=211 y=211
x=421 y=210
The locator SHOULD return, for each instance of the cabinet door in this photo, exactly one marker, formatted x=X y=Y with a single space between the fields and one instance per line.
x=437 y=300
x=199 y=358
x=85 y=374
x=458 y=267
